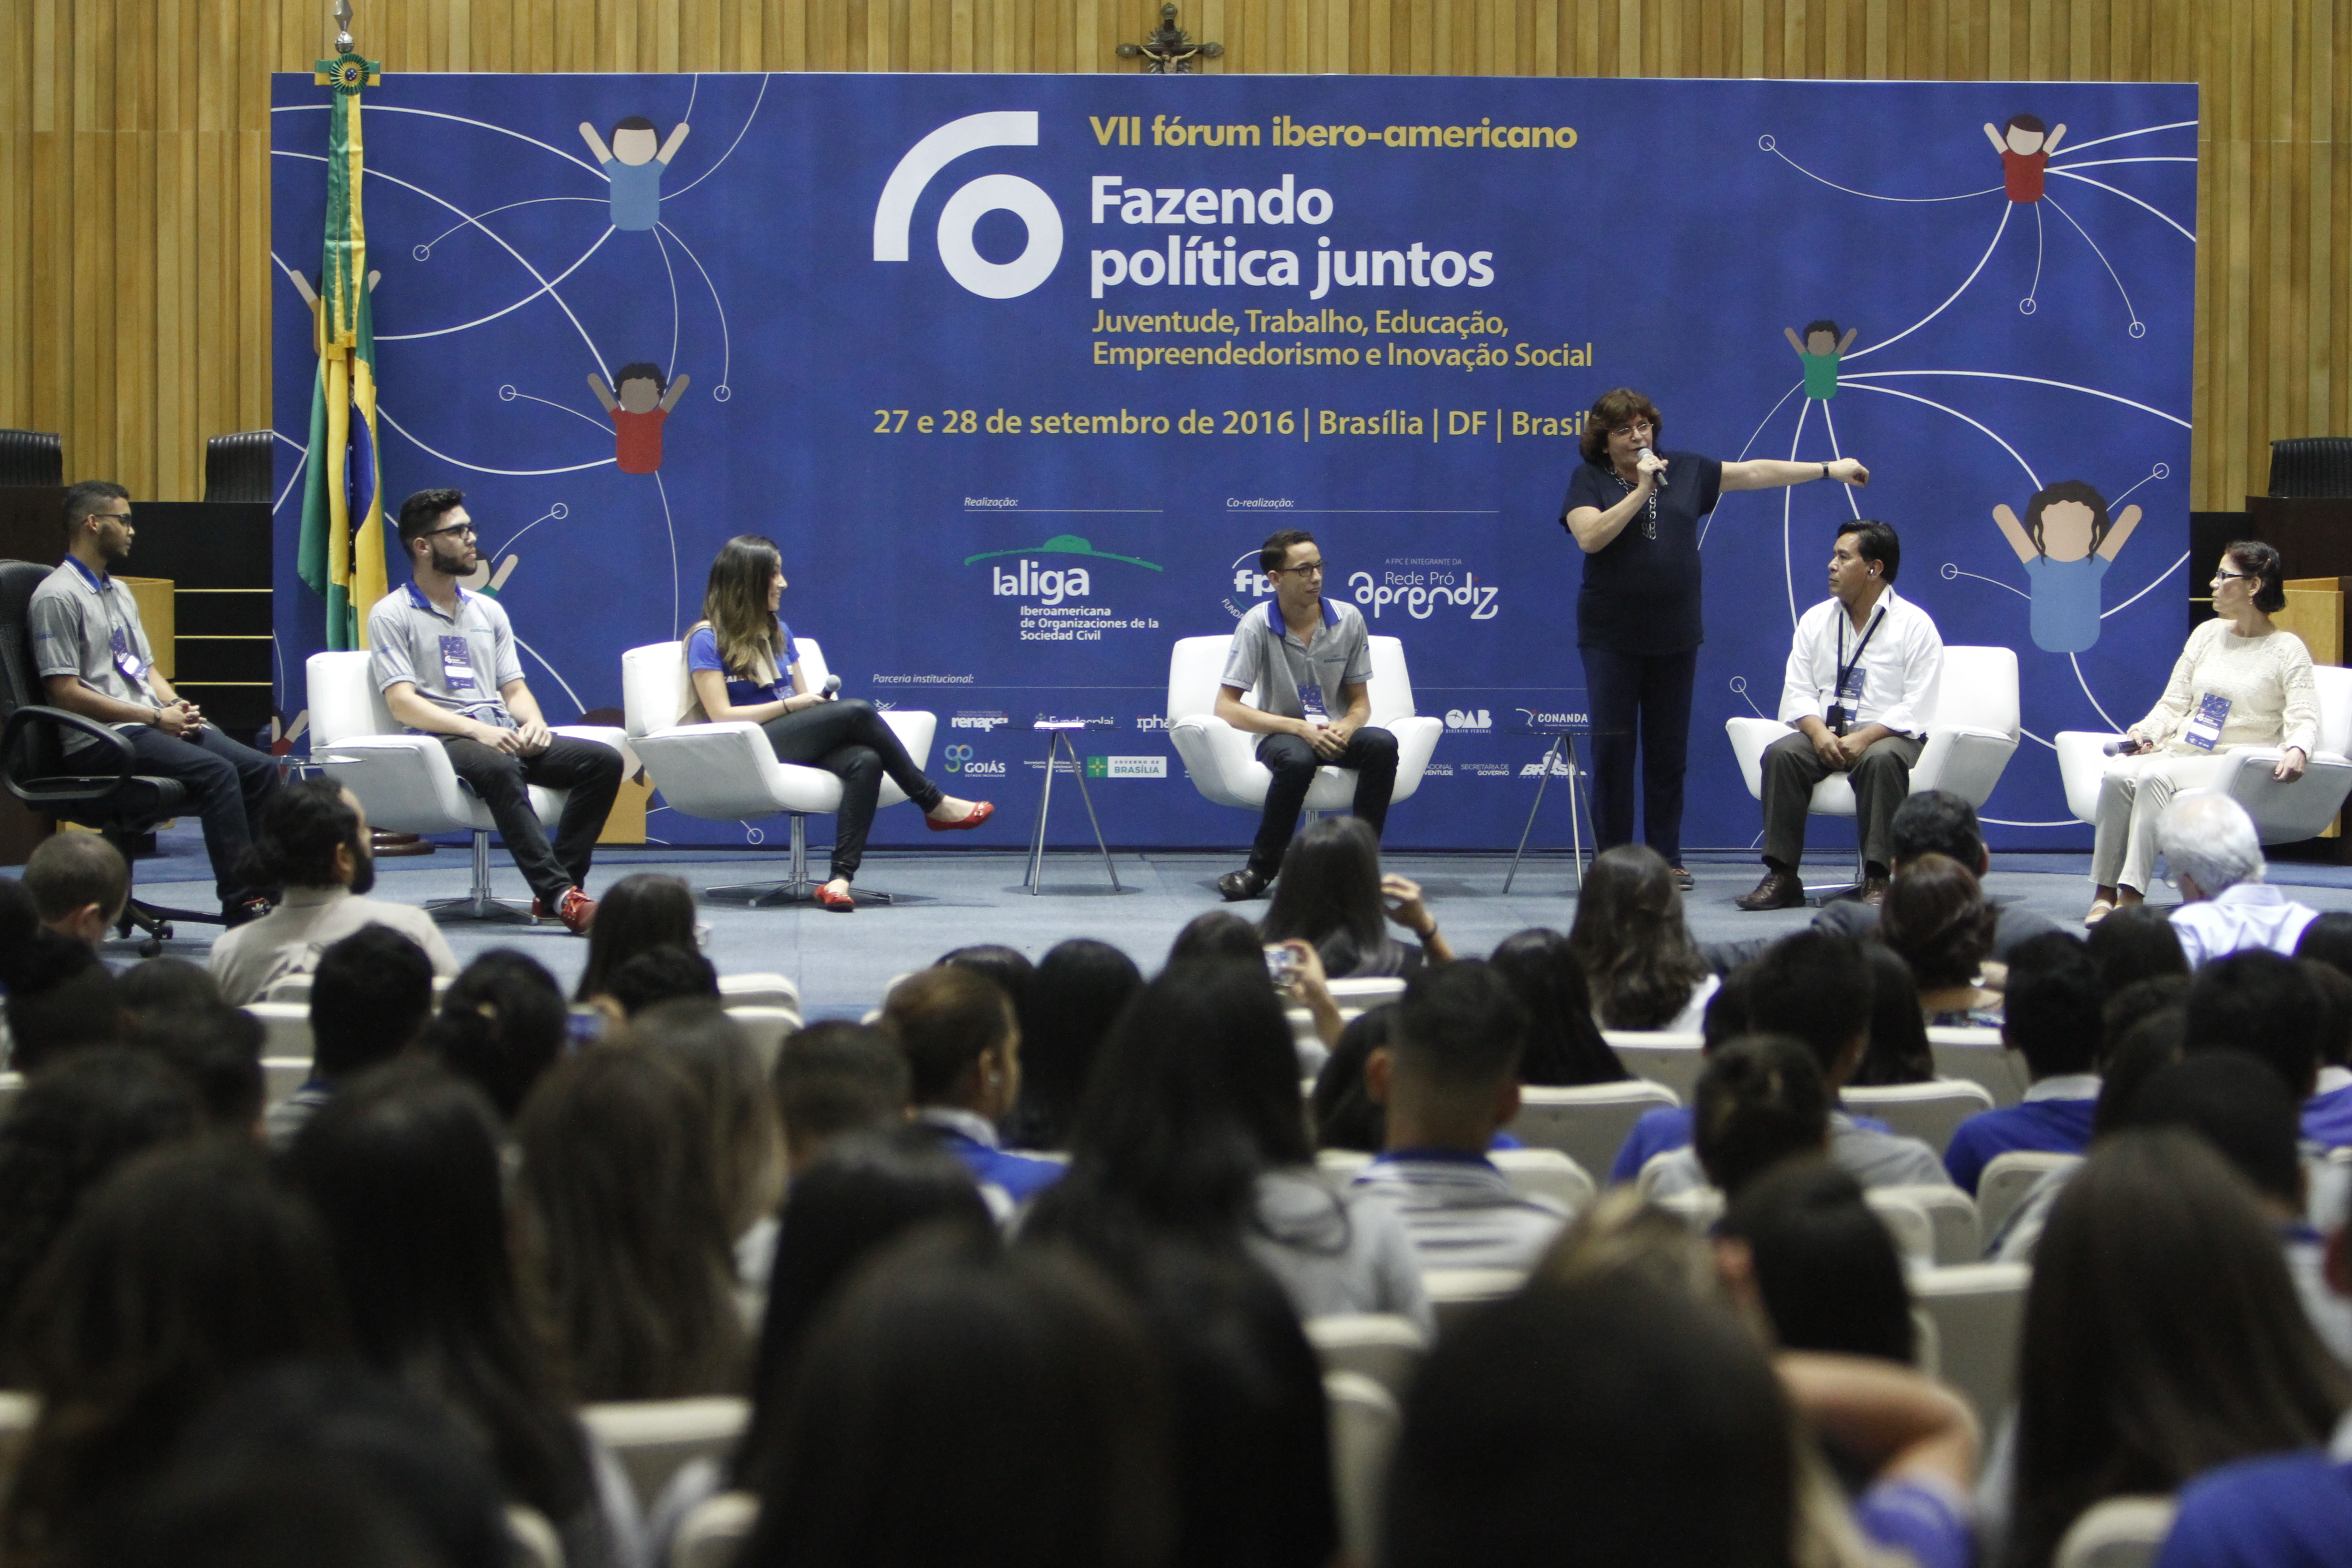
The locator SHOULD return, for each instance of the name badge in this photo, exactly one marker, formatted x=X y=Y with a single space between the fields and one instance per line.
x=125 y=659
x=1310 y=699
x=457 y=664
x=2204 y=730
x=1849 y=693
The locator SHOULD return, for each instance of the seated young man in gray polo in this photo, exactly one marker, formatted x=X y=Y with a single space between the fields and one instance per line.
x=94 y=660
x=445 y=662
x=1309 y=661
x=1449 y=1076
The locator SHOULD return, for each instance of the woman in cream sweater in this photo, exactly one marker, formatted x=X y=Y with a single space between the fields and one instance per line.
x=2241 y=682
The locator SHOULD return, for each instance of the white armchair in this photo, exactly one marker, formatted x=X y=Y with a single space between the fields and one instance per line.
x=2283 y=812
x=404 y=781
x=1223 y=762
x=727 y=772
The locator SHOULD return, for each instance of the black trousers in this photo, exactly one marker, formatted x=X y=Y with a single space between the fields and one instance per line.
x=1643 y=699
x=229 y=784
x=589 y=769
x=1372 y=751
x=847 y=739
x=1882 y=782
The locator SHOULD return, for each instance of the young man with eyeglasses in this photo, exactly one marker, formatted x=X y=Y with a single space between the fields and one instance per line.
x=445 y=662
x=94 y=660
x=1309 y=661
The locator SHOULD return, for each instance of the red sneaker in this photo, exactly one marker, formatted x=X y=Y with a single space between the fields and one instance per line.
x=575 y=909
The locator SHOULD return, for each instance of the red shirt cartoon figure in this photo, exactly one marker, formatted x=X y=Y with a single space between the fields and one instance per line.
x=639 y=402
x=2025 y=150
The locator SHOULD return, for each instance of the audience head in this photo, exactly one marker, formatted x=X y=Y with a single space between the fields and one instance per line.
x=2334 y=989
x=2162 y=1337
x=661 y=975
x=1609 y=1420
x=2257 y=1002
x=1638 y=957
x=836 y=1078
x=636 y=914
x=2328 y=939
x=2239 y=1106
x=313 y=835
x=2143 y=1050
x=1935 y=916
x=62 y=999
x=1075 y=996
x=746 y=1143
x=502 y=1024
x=1218 y=934
x=1813 y=987
x=2140 y=999
x=2134 y=943
x=1937 y=822
x=80 y=883
x=1898 y=1050
x=1449 y=1074
x=963 y=1047
x=1759 y=1100
x=369 y=996
x=157 y=987
x=961 y=1405
x=1822 y=1262
x=2051 y=1005
x=1328 y=896
x=217 y=1049
x=1727 y=1015
x=2211 y=843
x=626 y=1241
x=19 y=920
x=1008 y=967
x=1342 y=1109
x=1564 y=1045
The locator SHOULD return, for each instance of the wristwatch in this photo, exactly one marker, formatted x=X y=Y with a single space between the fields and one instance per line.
x=1825 y=470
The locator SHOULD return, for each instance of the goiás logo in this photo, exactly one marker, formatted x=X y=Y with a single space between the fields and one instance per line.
x=894 y=214
x=1032 y=572
x=960 y=760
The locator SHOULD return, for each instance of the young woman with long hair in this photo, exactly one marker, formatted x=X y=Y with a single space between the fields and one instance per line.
x=1643 y=968
x=745 y=667
x=640 y=912
x=1332 y=896
x=1564 y=1045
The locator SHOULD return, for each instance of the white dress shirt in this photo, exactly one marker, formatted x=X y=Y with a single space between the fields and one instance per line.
x=2243 y=915
x=1898 y=668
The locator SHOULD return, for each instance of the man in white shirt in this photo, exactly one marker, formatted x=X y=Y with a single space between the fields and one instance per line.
x=1861 y=673
x=313 y=843
x=2216 y=862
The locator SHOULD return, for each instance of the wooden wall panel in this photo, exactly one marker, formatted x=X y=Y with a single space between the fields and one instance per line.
x=135 y=278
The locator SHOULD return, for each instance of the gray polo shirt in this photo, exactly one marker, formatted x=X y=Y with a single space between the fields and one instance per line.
x=86 y=623
x=1338 y=655
x=455 y=662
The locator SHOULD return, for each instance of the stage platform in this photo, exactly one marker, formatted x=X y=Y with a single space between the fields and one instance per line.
x=946 y=899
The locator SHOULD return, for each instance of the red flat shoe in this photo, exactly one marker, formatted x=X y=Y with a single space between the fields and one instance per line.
x=839 y=904
x=980 y=812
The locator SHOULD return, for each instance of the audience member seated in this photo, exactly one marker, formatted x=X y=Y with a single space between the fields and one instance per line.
x=2162 y=1337
x=2256 y=1002
x=2142 y=998
x=62 y=999
x=1803 y=1247
x=1333 y=897
x=655 y=977
x=79 y=884
x=2217 y=863
x=20 y=922
x=957 y=1028
x=2327 y=1115
x=370 y=995
x=960 y=1404
x=1076 y=995
x=2138 y=941
x=402 y=1169
x=2053 y=1020
x=746 y=1143
x=834 y=1078
x=1898 y=1051
x=642 y=911
x=1759 y=1102
x=1194 y=1132
x=1008 y=967
x=502 y=1024
x=623 y=1236
x=69 y=1129
x=155 y=987
x=313 y=844
x=1340 y=1109
x=1669 y=1126
x=1640 y=964
x=1212 y=935
x=188 y=1269
x=1564 y=1045
x=1939 y=923
x=1448 y=1078
x=217 y=1049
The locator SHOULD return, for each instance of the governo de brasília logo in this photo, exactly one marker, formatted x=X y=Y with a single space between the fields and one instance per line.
x=895 y=213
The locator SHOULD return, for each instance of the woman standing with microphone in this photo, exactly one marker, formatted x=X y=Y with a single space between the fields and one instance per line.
x=1635 y=514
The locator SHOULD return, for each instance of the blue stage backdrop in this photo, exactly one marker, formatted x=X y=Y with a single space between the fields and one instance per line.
x=1019 y=371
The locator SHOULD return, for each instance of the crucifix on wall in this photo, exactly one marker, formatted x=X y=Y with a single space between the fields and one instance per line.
x=1169 y=50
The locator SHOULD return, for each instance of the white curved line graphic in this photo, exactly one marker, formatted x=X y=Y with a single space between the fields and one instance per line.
x=546 y=288
x=731 y=146
x=896 y=211
x=292 y=442
x=291 y=479
x=568 y=409
x=551 y=671
x=672 y=532
x=385 y=415
x=437 y=114
x=2104 y=163
x=2085 y=179
x=2102 y=712
x=2031 y=736
x=1710 y=523
x=2143 y=131
x=2129 y=308
x=725 y=340
x=669 y=366
x=1871 y=195
x=1961 y=572
x=1787 y=565
x=533 y=202
x=2005 y=822
x=2151 y=588
x=2037 y=380
x=1997 y=233
x=1851 y=499
x=1890 y=392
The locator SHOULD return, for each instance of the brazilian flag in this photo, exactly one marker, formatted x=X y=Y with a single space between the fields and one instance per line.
x=343 y=548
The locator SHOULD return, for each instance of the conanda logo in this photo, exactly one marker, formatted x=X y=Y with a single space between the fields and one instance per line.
x=1543 y=719
x=894 y=214
x=1469 y=718
x=960 y=760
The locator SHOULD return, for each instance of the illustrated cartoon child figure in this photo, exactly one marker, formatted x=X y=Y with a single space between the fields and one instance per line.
x=635 y=163
x=2024 y=152
x=1818 y=351
x=643 y=400
x=2066 y=543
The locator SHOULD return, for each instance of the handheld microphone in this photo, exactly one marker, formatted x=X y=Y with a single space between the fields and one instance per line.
x=1661 y=475
x=832 y=685
x=2118 y=746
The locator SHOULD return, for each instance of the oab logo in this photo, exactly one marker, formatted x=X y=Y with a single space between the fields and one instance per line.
x=1469 y=718
x=894 y=214
x=960 y=760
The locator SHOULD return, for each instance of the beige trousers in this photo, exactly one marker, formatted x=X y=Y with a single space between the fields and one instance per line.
x=2134 y=795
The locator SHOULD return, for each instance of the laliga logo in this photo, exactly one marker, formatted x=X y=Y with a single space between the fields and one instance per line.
x=895 y=213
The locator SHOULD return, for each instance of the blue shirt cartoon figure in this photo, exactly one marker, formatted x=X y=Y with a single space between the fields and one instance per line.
x=635 y=163
x=1818 y=351
x=2066 y=543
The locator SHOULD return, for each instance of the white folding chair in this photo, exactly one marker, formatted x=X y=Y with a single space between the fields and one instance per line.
x=1978 y=1309
x=760 y=990
x=765 y=1029
x=1906 y=1222
x=1928 y=1112
x=535 y=1543
x=2008 y=1178
x=1365 y=1422
x=1547 y=1173
x=654 y=1439
x=727 y=772
x=1455 y=1292
x=297 y=988
x=1979 y=1055
x=11 y=1084
x=1697 y=1207
x=2121 y=1532
x=1587 y=1122
x=281 y=1075
x=285 y=1028
x=712 y=1534
x=1660 y=1056
x=1382 y=1346
x=1951 y=1216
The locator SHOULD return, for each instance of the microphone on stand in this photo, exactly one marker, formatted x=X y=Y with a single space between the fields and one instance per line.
x=1661 y=475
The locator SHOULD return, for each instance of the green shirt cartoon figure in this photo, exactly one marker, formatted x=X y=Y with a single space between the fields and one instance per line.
x=1819 y=350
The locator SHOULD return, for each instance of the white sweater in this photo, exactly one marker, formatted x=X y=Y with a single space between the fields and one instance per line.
x=2267 y=680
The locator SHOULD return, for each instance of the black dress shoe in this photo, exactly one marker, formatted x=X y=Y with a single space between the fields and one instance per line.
x=1682 y=878
x=1779 y=890
x=1873 y=890
x=1235 y=886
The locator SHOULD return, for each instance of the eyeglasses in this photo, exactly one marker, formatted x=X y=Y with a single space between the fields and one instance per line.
x=465 y=528
x=2226 y=576
x=1641 y=428
x=1311 y=566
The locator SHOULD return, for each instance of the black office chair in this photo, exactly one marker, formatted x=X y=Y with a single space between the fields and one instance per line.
x=32 y=457
x=2312 y=466
x=239 y=468
x=93 y=786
